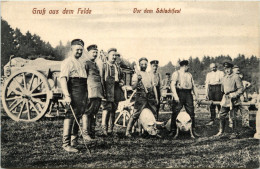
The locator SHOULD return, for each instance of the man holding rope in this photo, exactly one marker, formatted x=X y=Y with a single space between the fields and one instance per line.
x=73 y=80
x=145 y=94
x=182 y=87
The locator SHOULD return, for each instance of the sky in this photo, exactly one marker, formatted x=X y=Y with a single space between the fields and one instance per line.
x=201 y=28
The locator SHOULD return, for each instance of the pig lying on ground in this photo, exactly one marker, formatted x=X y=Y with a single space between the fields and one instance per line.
x=183 y=122
x=148 y=123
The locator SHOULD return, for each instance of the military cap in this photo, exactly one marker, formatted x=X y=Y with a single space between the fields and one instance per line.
x=143 y=58
x=92 y=47
x=184 y=62
x=77 y=42
x=154 y=62
x=167 y=73
x=227 y=65
x=112 y=49
x=118 y=54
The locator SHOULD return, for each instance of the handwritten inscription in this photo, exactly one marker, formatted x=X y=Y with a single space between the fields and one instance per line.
x=157 y=10
x=65 y=11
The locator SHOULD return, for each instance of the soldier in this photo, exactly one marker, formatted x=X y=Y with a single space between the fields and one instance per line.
x=157 y=82
x=166 y=85
x=112 y=80
x=232 y=87
x=95 y=92
x=182 y=87
x=166 y=89
x=213 y=89
x=145 y=97
x=73 y=80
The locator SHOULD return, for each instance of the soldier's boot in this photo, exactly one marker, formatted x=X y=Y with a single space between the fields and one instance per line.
x=222 y=123
x=193 y=127
x=92 y=126
x=129 y=127
x=235 y=133
x=67 y=136
x=110 y=129
x=105 y=122
x=111 y=123
x=86 y=127
x=74 y=133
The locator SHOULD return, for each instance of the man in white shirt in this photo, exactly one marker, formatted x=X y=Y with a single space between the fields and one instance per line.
x=213 y=89
x=182 y=88
x=73 y=80
x=145 y=96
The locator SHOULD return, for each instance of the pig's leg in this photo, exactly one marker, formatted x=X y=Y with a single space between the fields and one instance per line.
x=191 y=133
x=177 y=133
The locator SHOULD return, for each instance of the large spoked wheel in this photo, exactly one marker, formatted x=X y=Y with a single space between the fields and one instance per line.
x=26 y=96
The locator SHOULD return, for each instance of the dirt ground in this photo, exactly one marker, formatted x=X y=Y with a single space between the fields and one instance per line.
x=38 y=145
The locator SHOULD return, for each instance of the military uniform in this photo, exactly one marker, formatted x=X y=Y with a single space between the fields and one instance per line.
x=74 y=71
x=232 y=87
x=112 y=76
x=95 y=93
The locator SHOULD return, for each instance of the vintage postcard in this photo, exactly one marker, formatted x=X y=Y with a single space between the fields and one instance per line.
x=120 y=84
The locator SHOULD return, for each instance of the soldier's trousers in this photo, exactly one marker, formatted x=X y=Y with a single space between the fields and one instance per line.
x=224 y=112
x=215 y=94
x=186 y=100
x=77 y=88
x=142 y=101
x=93 y=106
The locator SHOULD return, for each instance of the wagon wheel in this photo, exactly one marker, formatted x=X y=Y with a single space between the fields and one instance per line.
x=26 y=95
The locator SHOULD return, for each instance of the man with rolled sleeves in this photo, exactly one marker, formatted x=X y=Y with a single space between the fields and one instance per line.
x=145 y=97
x=95 y=92
x=213 y=89
x=182 y=87
x=73 y=80
x=232 y=87
x=157 y=83
x=112 y=80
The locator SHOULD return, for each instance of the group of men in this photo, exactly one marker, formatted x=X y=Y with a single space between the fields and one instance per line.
x=84 y=85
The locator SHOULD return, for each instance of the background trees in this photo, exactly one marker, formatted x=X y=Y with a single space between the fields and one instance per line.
x=29 y=46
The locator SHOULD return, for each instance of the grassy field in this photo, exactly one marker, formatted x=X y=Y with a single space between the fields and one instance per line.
x=38 y=145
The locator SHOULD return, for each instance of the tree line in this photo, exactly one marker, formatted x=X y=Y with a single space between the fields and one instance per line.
x=31 y=46
x=249 y=67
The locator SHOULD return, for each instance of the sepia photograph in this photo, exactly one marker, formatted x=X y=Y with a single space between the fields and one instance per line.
x=130 y=84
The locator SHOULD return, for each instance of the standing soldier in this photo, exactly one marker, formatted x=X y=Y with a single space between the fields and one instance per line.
x=232 y=87
x=145 y=96
x=157 y=83
x=166 y=89
x=182 y=87
x=73 y=80
x=112 y=79
x=213 y=89
x=166 y=85
x=95 y=92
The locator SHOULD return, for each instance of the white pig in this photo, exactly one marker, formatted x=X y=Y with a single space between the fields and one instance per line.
x=183 y=122
x=148 y=123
